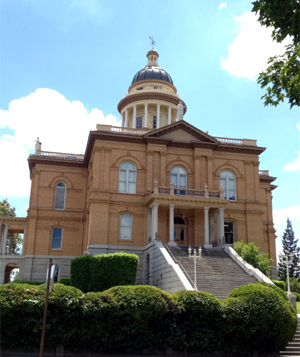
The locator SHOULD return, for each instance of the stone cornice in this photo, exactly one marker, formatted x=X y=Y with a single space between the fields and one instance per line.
x=131 y=98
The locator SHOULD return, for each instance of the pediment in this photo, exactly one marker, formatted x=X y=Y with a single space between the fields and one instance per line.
x=182 y=131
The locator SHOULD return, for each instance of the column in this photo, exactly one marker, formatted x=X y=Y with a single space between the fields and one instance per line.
x=10 y=243
x=5 y=238
x=122 y=120
x=206 y=228
x=169 y=115
x=149 y=224
x=211 y=227
x=23 y=245
x=171 y=224
x=221 y=223
x=134 y=117
x=126 y=118
x=154 y=229
x=158 y=116
x=146 y=115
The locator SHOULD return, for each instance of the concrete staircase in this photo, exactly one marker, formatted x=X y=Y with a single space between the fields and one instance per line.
x=217 y=273
x=293 y=348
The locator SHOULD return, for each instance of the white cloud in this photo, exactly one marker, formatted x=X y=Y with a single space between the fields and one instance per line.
x=249 y=52
x=223 y=4
x=61 y=125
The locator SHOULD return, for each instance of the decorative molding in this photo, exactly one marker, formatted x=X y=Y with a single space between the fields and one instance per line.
x=107 y=150
x=179 y=158
x=128 y=153
x=197 y=157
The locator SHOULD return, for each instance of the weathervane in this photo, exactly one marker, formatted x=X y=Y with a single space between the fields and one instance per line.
x=152 y=41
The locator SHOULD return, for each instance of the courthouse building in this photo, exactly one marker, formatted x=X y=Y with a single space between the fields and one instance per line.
x=155 y=178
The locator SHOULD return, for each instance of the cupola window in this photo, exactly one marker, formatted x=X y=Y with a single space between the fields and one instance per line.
x=139 y=122
x=140 y=88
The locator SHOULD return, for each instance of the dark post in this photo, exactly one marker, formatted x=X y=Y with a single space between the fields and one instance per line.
x=45 y=310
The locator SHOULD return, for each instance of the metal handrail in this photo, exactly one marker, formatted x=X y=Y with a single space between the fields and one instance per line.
x=181 y=266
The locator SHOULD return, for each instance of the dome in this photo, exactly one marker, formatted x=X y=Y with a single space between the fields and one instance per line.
x=151 y=72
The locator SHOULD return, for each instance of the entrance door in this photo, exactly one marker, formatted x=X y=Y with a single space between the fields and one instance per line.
x=179 y=231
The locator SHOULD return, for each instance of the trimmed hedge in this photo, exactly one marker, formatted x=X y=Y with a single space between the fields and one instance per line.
x=27 y=282
x=297 y=296
x=280 y=284
x=101 y=272
x=65 y=281
x=260 y=317
x=135 y=318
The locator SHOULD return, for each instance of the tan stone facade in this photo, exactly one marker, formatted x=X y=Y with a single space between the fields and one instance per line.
x=121 y=194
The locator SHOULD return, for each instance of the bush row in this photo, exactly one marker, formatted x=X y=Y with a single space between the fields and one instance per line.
x=126 y=318
x=101 y=272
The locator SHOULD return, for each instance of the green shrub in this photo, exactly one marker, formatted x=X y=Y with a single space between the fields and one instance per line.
x=281 y=292
x=280 y=284
x=250 y=253
x=100 y=272
x=294 y=285
x=199 y=324
x=65 y=281
x=297 y=296
x=127 y=317
x=16 y=281
x=258 y=318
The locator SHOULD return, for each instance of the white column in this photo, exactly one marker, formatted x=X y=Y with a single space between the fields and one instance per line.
x=211 y=227
x=134 y=117
x=154 y=221
x=169 y=115
x=206 y=228
x=149 y=224
x=220 y=223
x=158 y=116
x=171 y=224
x=122 y=120
x=146 y=115
x=5 y=238
x=126 y=118
x=22 y=252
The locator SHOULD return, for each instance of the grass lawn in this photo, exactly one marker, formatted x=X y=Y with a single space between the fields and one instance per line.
x=298 y=307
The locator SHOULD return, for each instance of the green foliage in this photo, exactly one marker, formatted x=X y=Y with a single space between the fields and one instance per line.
x=260 y=317
x=282 y=77
x=16 y=281
x=135 y=318
x=6 y=210
x=250 y=253
x=280 y=284
x=294 y=285
x=289 y=245
x=200 y=323
x=281 y=292
x=127 y=317
x=297 y=296
x=65 y=281
x=100 y=272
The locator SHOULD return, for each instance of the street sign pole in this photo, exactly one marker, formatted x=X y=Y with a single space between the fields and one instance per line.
x=45 y=310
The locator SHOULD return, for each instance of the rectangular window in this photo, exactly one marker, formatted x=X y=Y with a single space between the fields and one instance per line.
x=140 y=88
x=56 y=238
x=154 y=121
x=125 y=226
x=155 y=87
x=139 y=122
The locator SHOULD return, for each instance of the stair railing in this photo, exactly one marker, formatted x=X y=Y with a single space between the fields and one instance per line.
x=180 y=265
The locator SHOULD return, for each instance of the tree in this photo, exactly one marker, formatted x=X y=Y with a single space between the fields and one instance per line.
x=6 y=210
x=250 y=253
x=289 y=245
x=282 y=77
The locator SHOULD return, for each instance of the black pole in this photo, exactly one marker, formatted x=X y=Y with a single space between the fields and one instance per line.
x=45 y=310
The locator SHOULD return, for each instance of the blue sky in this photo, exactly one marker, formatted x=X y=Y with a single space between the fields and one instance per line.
x=65 y=65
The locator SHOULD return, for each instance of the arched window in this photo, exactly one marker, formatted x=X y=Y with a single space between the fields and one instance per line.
x=179 y=179
x=126 y=226
x=57 y=234
x=127 y=178
x=229 y=232
x=227 y=181
x=60 y=196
